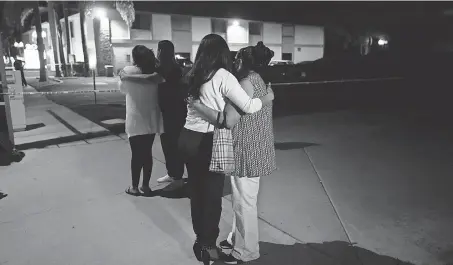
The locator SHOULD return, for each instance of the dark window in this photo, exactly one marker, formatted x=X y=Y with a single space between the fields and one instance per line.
x=255 y=28
x=181 y=23
x=219 y=26
x=142 y=21
x=233 y=54
x=71 y=28
x=288 y=31
x=287 y=56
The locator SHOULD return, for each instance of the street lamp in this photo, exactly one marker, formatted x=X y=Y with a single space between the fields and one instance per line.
x=100 y=12
x=93 y=62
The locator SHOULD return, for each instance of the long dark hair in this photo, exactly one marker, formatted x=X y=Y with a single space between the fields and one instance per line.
x=213 y=54
x=144 y=59
x=166 y=57
x=245 y=62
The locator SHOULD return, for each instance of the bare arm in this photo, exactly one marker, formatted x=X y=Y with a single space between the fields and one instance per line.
x=232 y=113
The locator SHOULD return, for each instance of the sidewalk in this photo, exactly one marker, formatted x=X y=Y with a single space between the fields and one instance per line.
x=67 y=206
x=379 y=181
x=49 y=124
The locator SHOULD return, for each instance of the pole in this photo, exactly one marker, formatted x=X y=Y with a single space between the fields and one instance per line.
x=9 y=120
x=94 y=86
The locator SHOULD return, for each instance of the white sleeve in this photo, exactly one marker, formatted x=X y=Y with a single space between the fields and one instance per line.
x=231 y=89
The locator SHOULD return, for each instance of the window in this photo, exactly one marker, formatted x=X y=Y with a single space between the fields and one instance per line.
x=128 y=58
x=287 y=56
x=181 y=23
x=233 y=54
x=142 y=21
x=71 y=28
x=288 y=30
x=219 y=26
x=255 y=28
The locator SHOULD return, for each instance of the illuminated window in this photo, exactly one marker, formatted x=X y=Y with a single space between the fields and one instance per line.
x=255 y=28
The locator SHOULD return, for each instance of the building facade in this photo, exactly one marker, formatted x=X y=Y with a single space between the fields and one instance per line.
x=110 y=40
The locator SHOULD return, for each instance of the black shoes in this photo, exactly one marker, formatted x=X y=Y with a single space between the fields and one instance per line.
x=197 y=250
x=231 y=260
x=225 y=245
x=211 y=253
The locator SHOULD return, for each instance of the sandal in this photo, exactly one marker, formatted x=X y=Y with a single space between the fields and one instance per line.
x=146 y=190
x=131 y=191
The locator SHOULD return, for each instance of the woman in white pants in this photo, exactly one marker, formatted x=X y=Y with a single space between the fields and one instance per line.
x=253 y=140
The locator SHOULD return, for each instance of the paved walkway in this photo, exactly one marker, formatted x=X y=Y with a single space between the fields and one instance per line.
x=381 y=181
x=48 y=121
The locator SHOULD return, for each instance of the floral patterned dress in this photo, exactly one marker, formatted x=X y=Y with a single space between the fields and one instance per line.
x=253 y=138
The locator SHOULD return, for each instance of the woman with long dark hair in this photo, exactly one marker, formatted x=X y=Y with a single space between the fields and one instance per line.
x=211 y=82
x=174 y=112
x=143 y=116
x=254 y=153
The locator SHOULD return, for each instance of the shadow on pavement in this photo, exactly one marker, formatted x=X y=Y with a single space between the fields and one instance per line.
x=2 y=195
x=34 y=126
x=293 y=145
x=328 y=253
x=62 y=140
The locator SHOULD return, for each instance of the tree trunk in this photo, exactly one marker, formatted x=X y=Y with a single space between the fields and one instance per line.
x=68 y=36
x=41 y=50
x=53 y=33
x=60 y=45
x=84 y=41
x=97 y=45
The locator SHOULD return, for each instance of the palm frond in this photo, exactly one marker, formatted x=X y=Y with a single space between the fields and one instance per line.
x=26 y=14
x=126 y=10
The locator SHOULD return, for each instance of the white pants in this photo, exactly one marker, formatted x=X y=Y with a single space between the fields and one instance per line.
x=244 y=235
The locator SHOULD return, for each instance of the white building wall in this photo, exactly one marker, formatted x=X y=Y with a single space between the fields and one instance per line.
x=201 y=27
x=161 y=27
x=309 y=43
x=120 y=30
x=272 y=33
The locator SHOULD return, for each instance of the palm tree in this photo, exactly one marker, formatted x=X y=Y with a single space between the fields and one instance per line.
x=39 y=40
x=127 y=12
x=84 y=41
x=53 y=33
x=16 y=14
x=68 y=36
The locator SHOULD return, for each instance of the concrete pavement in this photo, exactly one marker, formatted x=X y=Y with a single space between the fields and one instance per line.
x=379 y=180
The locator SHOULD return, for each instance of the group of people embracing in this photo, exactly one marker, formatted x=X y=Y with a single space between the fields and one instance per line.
x=186 y=110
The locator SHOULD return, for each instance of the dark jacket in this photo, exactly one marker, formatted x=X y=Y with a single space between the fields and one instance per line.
x=172 y=98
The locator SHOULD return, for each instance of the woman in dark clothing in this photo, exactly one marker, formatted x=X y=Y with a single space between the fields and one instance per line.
x=174 y=112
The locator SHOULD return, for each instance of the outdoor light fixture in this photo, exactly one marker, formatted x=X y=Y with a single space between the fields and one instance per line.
x=35 y=35
x=235 y=23
x=100 y=13
x=19 y=45
x=382 y=42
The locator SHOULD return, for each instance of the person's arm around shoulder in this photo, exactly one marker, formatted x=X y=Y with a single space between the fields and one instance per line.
x=129 y=74
x=232 y=113
x=237 y=95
